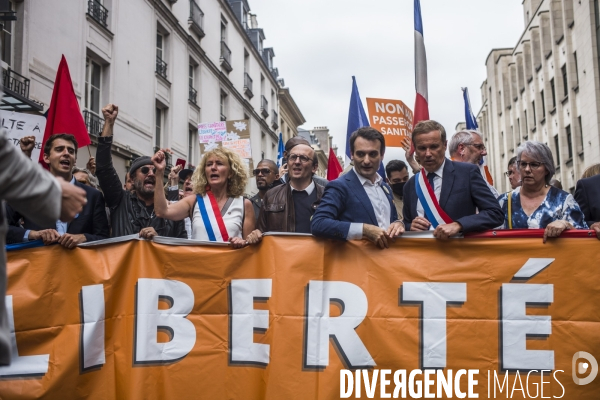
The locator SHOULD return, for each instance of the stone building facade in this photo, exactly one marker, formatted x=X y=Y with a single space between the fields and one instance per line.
x=546 y=88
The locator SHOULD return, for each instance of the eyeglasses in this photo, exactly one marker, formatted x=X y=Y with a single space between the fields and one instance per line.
x=303 y=159
x=478 y=146
x=532 y=165
x=145 y=170
x=510 y=173
x=264 y=171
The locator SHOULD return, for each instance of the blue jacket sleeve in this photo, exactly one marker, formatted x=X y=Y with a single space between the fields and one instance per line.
x=490 y=214
x=325 y=222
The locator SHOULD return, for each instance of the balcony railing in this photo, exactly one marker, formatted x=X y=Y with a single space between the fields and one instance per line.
x=196 y=19
x=161 y=67
x=248 y=85
x=264 y=106
x=93 y=123
x=226 y=57
x=15 y=82
x=98 y=12
x=274 y=119
x=193 y=95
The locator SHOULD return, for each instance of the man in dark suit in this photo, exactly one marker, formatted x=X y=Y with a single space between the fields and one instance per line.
x=359 y=205
x=60 y=153
x=587 y=195
x=459 y=188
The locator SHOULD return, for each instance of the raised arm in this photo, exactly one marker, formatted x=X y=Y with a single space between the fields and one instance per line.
x=105 y=171
x=176 y=211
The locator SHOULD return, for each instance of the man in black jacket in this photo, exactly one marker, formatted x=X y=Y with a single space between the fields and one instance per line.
x=587 y=195
x=131 y=212
x=60 y=153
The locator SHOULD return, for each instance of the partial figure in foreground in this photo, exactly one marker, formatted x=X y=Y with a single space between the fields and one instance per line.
x=359 y=204
x=537 y=204
x=587 y=195
x=447 y=197
x=218 y=211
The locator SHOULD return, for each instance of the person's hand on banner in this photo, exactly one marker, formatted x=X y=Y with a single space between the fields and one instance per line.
x=148 y=233
x=376 y=235
x=73 y=200
x=554 y=229
x=596 y=228
x=110 y=112
x=395 y=229
x=420 y=224
x=237 y=242
x=91 y=165
x=254 y=237
x=27 y=144
x=443 y=232
x=48 y=236
x=71 y=241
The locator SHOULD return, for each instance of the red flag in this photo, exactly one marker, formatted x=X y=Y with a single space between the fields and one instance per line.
x=64 y=114
x=334 y=169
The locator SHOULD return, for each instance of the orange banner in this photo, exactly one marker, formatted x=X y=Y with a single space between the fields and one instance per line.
x=392 y=118
x=301 y=318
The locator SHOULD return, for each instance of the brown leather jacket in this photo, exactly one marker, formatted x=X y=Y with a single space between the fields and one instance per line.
x=277 y=212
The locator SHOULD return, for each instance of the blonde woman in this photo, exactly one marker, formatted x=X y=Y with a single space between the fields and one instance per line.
x=218 y=211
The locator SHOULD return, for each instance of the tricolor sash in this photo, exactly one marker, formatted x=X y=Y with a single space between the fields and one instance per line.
x=212 y=218
x=426 y=195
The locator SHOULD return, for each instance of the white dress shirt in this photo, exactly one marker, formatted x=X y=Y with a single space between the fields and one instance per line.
x=379 y=201
x=309 y=189
x=437 y=189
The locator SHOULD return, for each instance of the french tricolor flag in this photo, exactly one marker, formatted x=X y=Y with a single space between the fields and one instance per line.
x=421 y=111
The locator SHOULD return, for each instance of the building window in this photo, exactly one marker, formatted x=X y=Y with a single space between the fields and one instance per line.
x=158 y=130
x=161 y=65
x=223 y=106
x=553 y=90
x=533 y=110
x=193 y=93
x=543 y=104
x=93 y=83
x=569 y=142
x=223 y=32
x=563 y=70
x=576 y=67
x=6 y=37
x=526 y=124
x=580 y=133
x=557 y=151
x=191 y=144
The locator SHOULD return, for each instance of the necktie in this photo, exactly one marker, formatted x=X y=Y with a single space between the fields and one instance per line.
x=430 y=177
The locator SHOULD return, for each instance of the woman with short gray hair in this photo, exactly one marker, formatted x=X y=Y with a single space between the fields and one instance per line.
x=536 y=204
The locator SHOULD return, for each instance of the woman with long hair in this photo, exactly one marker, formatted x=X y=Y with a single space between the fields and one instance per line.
x=218 y=210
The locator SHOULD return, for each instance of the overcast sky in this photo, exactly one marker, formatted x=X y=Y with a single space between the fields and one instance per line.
x=320 y=44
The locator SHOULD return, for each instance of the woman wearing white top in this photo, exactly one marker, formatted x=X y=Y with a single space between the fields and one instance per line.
x=220 y=181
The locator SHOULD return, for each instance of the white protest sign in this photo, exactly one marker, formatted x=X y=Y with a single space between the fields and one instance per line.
x=18 y=125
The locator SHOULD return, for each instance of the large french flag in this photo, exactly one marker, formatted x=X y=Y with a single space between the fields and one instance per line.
x=421 y=111
x=471 y=123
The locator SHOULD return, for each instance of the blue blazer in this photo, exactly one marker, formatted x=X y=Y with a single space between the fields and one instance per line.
x=346 y=201
x=464 y=191
x=587 y=195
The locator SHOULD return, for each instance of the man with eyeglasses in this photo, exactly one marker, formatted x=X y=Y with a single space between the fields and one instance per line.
x=467 y=146
x=131 y=212
x=513 y=174
x=290 y=207
x=267 y=177
x=283 y=172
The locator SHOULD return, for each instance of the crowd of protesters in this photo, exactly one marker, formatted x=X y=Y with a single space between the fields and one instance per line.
x=447 y=196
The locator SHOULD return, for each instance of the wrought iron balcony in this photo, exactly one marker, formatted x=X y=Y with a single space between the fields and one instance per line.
x=16 y=93
x=93 y=123
x=225 y=57
x=196 y=21
x=248 y=85
x=98 y=12
x=274 y=119
x=193 y=95
x=264 y=106
x=161 y=67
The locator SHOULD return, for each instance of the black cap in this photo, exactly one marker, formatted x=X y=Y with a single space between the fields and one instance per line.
x=139 y=162
x=184 y=173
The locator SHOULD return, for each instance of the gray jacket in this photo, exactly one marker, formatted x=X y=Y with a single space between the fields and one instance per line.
x=32 y=192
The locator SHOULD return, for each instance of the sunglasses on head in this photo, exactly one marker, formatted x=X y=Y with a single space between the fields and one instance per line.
x=264 y=171
x=145 y=170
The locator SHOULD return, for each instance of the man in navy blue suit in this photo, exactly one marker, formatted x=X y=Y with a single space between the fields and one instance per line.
x=60 y=153
x=359 y=205
x=587 y=195
x=459 y=188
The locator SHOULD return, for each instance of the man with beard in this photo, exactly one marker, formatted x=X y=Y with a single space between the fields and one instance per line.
x=468 y=147
x=130 y=213
x=60 y=153
x=397 y=174
x=267 y=177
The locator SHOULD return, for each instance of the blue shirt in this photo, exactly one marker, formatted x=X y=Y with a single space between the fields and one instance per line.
x=558 y=205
